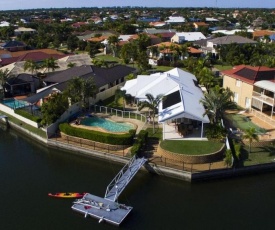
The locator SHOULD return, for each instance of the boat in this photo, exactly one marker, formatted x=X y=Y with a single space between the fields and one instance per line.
x=67 y=195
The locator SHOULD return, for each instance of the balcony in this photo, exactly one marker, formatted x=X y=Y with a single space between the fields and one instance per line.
x=263 y=98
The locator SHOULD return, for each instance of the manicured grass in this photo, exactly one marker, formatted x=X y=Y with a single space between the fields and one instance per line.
x=108 y=58
x=223 y=67
x=191 y=147
x=243 y=122
x=163 y=68
x=32 y=129
x=258 y=155
x=157 y=134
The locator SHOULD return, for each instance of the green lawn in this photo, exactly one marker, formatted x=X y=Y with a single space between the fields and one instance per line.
x=259 y=155
x=243 y=122
x=191 y=147
x=32 y=129
x=223 y=67
x=108 y=58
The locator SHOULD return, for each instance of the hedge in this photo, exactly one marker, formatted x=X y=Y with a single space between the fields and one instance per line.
x=107 y=138
x=27 y=115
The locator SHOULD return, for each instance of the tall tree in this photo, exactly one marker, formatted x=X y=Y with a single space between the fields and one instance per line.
x=152 y=103
x=250 y=134
x=80 y=90
x=50 y=63
x=31 y=65
x=113 y=42
x=51 y=110
x=3 y=78
x=216 y=102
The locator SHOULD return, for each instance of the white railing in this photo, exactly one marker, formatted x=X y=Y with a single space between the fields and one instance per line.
x=120 y=113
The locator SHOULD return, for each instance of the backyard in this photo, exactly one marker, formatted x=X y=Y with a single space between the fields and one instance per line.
x=258 y=155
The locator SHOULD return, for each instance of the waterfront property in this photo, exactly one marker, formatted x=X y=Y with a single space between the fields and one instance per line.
x=182 y=97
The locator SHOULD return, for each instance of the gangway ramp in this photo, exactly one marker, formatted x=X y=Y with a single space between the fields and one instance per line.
x=121 y=180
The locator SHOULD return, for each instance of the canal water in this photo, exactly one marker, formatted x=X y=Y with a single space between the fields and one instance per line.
x=29 y=170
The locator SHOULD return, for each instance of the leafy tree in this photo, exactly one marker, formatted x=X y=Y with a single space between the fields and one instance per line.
x=3 y=78
x=72 y=42
x=71 y=64
x=51 y=110
x=251 y=135
x=152 y=103
x=216 y=101
x=113 y=41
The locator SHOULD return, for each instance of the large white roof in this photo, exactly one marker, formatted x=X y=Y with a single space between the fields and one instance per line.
x=191 y=36
x=175 y=80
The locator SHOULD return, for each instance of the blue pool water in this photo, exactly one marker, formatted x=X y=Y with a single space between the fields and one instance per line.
x=14 y=104
x=106 y=124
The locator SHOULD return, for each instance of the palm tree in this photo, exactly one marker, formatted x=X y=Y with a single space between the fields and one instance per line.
x=251 y=135
x=120 y=94
x=4 y=77
x=50 y=63
x=216 y=101
x=71 y=65
x=31 y=65
x=151 y=103
x=80 y=90
x=113 y=41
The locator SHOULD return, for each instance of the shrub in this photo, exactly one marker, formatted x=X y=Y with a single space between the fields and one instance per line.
x=27 y=115
x=107 y=138
x=139 y=143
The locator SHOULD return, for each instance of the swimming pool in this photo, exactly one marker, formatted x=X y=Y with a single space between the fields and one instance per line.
x=14 y=104
x=106 y=124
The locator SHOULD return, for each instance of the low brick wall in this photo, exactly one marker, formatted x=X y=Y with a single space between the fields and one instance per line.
x=93 y=144
x=190 y=159
x=260 y=143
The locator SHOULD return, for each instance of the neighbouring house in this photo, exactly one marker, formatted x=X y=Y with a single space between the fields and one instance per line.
x=79 y=24
x=183 y=37
x=182 y=96
x=253 y=87
x=167 y=50
x=107 y=80
x=37 y=57
x=13 y=46
x=258 y=22
x=22 y=30
x=212 y=45
x=21 y=84
x=175 y=20
x=262 y=35
x=198 y=25
x=157 y=24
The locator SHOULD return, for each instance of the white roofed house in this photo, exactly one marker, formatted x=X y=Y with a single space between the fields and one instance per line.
x=187 y=37
x=182 y=99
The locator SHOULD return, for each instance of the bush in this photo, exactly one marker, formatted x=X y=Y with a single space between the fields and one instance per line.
x=215 y=131
x=139 y=143
x=107 y=138
x=27 y=115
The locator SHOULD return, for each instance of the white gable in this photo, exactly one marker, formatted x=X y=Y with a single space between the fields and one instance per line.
x=174 y=81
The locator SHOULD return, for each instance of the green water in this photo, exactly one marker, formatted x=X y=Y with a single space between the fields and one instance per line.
x=28 y=171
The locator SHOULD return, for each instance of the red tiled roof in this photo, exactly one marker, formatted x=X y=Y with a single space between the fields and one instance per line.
x=251 y=74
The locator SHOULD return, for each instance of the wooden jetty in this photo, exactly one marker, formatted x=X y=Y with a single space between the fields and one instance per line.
x=107 y=209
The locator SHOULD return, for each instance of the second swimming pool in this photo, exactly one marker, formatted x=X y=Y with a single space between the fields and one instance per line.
x=106 y=124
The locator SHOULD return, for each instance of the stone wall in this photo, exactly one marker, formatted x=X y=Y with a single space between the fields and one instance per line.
x=92 y=144
x=190 y=159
